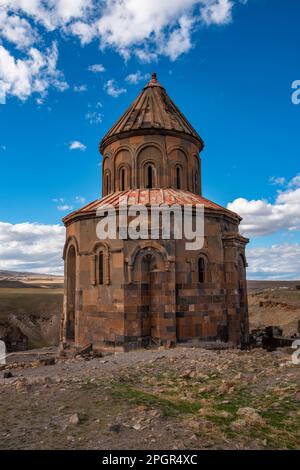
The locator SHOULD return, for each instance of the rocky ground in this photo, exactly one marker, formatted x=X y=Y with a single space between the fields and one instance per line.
x=181 y=398
x=30 y=306
x=274 y=305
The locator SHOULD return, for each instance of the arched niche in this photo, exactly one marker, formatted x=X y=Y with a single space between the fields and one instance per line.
x=242 y=264
x=106 y=171
x=196 y=175
x=107 y=183
x=203 y=269
x=122 y=169
x=149 y=275
x=70 y=292
x=149 y=159
x=178 y=161
x=101 y=268
x=123 y=178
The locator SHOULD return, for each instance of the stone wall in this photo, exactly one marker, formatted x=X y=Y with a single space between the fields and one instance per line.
x=150 y=291
x=164 y=153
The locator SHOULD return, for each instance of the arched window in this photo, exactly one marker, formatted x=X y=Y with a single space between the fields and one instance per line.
x=100 y=268
x=149 y=176
x=196 y=181
x=122 y=179
x=201 y=270
x=71 y=293
x=242 y=267
x=178 y=177
x=107 y=182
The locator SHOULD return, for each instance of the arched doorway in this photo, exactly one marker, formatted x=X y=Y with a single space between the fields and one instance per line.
x=150 y=274
x=71 y=293
x=155 y=281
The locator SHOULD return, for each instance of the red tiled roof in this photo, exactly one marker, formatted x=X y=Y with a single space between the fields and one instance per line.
x=149 y=197
x=152 y=110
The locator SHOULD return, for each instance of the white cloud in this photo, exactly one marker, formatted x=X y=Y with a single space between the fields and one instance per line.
x=80 y=88
x=145 y=55
x=31 y=247
x=33 y=74
x=84 y=31
x=58 y=199
x=35 y=9
x=17 y=30
x=295 y=182
x=216 y=11
x=131 y=27
x=277 y=180
x=112 y=89
x=51 y=13
x=62 y=204
x=66 y=10
x=261 y=217
x=94 y=116
x=134 y=78
x=76 y=145
x=80 y=199
x=96 y=68
x=128 y=23
x=65 y=207
x=179 y=40
x=274 y=262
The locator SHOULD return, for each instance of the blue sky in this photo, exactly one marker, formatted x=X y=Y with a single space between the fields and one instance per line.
x=69 y=69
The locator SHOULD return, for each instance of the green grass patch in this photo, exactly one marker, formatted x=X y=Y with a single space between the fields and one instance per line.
x=166 y=406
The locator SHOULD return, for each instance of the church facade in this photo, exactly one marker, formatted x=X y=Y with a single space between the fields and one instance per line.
x=137 y=292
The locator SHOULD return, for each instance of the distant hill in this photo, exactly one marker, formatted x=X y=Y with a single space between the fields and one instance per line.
x=18 y=274
x=267 y=285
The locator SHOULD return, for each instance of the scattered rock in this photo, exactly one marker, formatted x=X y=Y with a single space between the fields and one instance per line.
x=222 y=414
x=7 y=374
x=47 y=361
x=74 y=419
x=84 y=351
x=137 y=426
x=116 y=428
x=20 y=383
x=249 y=416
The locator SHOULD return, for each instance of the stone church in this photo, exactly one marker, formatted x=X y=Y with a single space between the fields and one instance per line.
x=126 y=293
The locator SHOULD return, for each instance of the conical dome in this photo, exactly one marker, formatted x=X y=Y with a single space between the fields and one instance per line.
x=152 y=112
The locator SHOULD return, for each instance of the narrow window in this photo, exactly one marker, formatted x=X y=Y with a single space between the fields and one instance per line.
x=196 y=182
x=107 y=183
x=178 y=182
x=201 y=270
x=101 y=267
x=149 y=177
x=123 y=179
